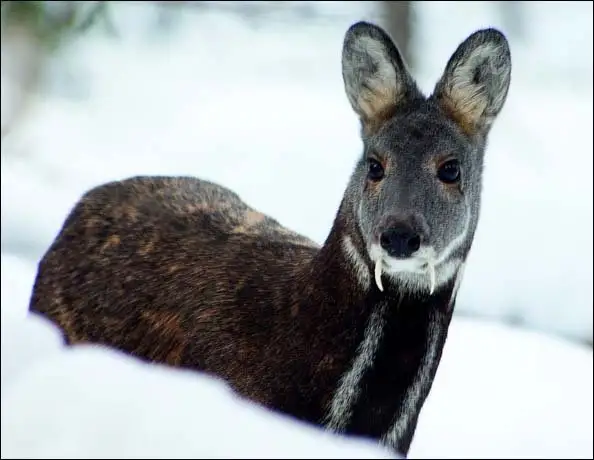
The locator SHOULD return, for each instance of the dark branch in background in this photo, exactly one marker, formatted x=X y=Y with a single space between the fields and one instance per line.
x=397 y=18
x=51 y=23
x=33 y=31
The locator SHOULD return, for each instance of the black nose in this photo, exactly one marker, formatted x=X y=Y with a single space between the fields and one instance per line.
x=400 y=241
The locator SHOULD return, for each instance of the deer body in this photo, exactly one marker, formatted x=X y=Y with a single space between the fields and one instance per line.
x=348 y=335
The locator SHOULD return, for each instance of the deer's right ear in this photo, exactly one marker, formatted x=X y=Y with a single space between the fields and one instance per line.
x=375 y=77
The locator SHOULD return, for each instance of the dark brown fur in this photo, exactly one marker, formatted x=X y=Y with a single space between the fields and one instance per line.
x=189 y=238
x=155 y=267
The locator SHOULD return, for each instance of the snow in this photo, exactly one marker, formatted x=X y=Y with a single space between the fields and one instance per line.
x=504 y=392
x=500 y=392
x=259 y=106
x=91 y=402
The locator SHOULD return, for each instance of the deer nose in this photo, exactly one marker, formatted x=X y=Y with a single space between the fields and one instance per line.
x=400 y=241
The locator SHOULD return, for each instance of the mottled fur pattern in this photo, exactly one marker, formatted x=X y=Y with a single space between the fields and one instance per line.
x=181 y=271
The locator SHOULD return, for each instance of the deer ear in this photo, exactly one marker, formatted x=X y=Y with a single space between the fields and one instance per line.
x=376 y=80
x=475 y=82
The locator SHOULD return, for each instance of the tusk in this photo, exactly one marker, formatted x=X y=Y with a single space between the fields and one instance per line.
x=432 y=279
x=378 y=275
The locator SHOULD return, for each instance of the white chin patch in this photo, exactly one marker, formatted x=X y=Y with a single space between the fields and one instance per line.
x=417 y=274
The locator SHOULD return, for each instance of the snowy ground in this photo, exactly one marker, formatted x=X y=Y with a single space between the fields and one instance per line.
x=260 y=108
x=93 y=403
x=499 y=393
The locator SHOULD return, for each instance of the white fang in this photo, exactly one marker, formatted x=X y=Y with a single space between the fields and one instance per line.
x=432 y=278
x=378 y=275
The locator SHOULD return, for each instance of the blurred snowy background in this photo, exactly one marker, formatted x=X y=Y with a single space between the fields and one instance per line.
x=250 y=95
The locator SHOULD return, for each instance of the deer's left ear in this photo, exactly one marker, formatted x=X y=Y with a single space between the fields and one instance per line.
x=474 y=85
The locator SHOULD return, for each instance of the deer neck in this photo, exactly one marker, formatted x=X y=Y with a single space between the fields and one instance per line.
x=394 y=338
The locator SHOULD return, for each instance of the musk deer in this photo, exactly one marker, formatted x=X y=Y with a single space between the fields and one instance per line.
x=349 y=335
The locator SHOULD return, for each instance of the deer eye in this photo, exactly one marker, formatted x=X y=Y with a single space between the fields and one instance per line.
x=376 y=170
x=449 y=172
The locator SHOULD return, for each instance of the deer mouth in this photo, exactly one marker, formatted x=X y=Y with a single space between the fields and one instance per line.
x=422 y=264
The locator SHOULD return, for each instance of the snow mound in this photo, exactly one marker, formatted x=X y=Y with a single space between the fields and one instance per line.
x=91 y=402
